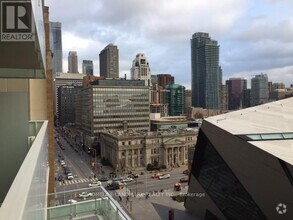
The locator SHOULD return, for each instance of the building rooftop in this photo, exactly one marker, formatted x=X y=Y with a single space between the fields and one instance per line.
x=128 y=134
x=268 y=127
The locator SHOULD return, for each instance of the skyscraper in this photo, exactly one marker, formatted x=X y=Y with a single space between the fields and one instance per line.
x=109 y=62
x=236 y=87
x=176 y=99
x=56 y=46
x=72 y=62
x=141 y=69
x=88 y=67
x=259 y=90
x=205 y=71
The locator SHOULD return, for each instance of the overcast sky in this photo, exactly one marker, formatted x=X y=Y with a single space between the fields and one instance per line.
x=254 y=35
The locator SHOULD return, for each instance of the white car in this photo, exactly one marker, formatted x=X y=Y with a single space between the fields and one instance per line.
x=85 y=195
x=96 y=183
x=128 y=179
x=164 y=176
x=72 y=201
x=69 y=176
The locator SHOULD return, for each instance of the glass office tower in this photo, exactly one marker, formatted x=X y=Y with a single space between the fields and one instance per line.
x=205 y=71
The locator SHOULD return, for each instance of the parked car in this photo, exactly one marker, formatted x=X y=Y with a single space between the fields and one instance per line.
x=184 y=179
x=113 y=186
x=156 y=175
x=103 y=178
x=185 y=172
x=128 y=179
x=85 y=195
x=95 y=183
x=164 y=176
x=119 y=178
x=69 y=176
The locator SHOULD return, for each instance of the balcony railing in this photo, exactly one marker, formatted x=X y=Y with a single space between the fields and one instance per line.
x=27 y=196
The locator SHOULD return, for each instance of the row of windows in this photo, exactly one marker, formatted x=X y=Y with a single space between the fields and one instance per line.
x=218 y=180
x=123 y=153
x=262 y=137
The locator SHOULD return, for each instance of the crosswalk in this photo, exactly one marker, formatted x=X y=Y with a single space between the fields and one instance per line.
x=76 y=181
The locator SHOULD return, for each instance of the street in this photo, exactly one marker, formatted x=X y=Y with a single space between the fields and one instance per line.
x=79 y=163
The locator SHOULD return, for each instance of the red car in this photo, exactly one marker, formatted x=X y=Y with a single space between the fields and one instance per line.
x=156 y=175
x=184 y=179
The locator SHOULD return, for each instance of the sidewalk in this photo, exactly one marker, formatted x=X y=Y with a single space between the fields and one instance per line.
x=156 y=207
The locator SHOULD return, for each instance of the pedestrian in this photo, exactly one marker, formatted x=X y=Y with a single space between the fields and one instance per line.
x=127 y=198
x=120 y=199
x=95 y=176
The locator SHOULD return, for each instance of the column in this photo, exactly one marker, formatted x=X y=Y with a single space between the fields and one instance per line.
x=138 y=157
x=132 y=158
x=178 y=159
x=172 y=157
x=126 y=160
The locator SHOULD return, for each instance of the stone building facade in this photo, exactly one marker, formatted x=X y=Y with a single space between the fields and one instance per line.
x=129 y=150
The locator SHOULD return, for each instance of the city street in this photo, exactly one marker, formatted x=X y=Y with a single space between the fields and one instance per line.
x=79 y=163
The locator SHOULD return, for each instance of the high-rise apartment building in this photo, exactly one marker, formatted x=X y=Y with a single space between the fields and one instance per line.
x=109 y=62
x=56 y=46
x=176 y=99
x=72 y=62
x=236 y=86
x=165 y=79
x=259 y=90
x=88 y=67
x=205 y=71
x=141 y=69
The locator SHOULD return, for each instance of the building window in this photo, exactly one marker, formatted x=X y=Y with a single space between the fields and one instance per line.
x=129 y=142
x=218 y=180
x=123 y=143
x=123 y=153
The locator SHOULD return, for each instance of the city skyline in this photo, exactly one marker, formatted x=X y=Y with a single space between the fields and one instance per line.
x=254 y=36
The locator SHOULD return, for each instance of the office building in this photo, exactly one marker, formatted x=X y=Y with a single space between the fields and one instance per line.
x=259 y=90
x=66 y=104
x=56 y=46
x=205 y=72
x=140 y=69
x=114 y=104
x=165 y=79
x=72 y=62
x=109 y=62
x=176 y=99
x=65 y=79
x=88 y=67
x=236 y=86
x=128 y=150
x=243 y=165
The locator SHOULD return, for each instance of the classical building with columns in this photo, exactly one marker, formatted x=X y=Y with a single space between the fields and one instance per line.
x=129 y=150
